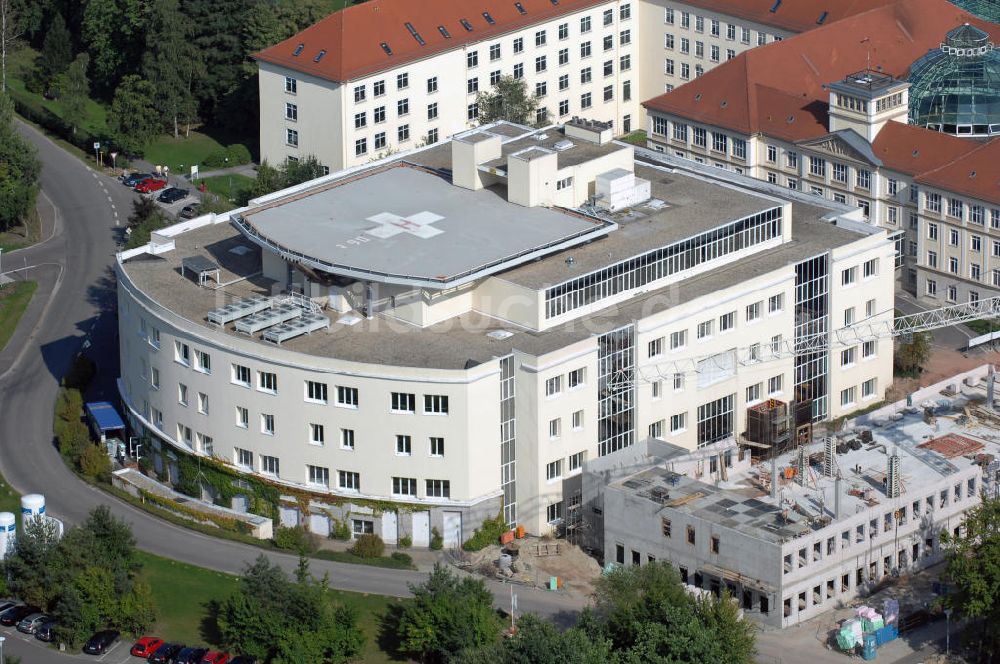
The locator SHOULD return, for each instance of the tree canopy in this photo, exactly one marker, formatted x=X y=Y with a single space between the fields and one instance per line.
x=509 y=100
x=286 y=621
x=19 y=170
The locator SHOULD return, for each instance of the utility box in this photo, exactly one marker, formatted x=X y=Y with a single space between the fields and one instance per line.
x=618 y=189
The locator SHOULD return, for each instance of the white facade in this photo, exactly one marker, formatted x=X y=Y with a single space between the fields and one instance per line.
x=387 y=409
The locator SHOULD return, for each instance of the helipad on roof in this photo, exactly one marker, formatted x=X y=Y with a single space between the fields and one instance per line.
x=409 y=225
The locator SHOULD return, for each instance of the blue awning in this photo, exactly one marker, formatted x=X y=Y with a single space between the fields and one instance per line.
x=104 y=416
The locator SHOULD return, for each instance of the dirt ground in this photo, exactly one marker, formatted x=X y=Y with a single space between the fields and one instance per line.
x=533 y=567
x=943 y=362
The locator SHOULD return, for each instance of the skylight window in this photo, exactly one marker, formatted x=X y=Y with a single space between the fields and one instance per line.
x=774 y=7
x=444 y=32
x=520 y=8
x=416 y=35
x=319 y=56
x=298 y=49
x=554 y=2
x=385 y=47
x=822 y=18
x=489 y=19
x=466 y=25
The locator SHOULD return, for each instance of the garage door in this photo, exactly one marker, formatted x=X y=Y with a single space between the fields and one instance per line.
x=319 y=524
x=390 y=527
x=421 y=528
x=289 y=516
x=452 y=530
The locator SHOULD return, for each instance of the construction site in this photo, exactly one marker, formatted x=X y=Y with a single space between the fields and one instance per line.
x=795 y=522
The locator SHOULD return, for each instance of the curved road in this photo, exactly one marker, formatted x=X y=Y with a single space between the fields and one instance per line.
x=75 y=302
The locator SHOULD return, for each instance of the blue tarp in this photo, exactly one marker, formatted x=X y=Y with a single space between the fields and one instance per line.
x=104 y=416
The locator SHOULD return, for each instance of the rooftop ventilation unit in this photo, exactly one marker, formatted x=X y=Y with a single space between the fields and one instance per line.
x=497 y=335
x=562 y=146
x=541 y=137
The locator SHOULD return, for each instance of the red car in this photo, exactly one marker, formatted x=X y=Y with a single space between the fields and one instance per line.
x=146 y=646
x=149 y=185
x=215 y=657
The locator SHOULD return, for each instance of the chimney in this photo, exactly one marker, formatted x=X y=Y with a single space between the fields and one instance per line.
x=774 y=476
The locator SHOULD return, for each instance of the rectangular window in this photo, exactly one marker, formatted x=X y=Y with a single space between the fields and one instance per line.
x=678 y=339
x=847 y=396
x=555 y=428
x=378 y=115
x=553 y=470
x=404 y=486
x=753 y=392
x=267 y=424
x=318 y=476
x=182 y=353
x=576 y=461
x=437 y=447
x=553 y=512
x=705 y=329
x=868 y=388
x=753 y=311
x=727 y=321
x=240 y=375
x=291 y=85
x=316 y=392
x=317 y=434
x=577 y=420
x=347 y=396
x=267 y=382
x=203 y=403
x=360 y=147
x=438 y=488
x=347 y=439
x=404 y=445
x=848 y=276
x=182 y=394
x=242 y=417
x=269 y=465
x=243 y=458
x=403 y=402
x=774 y=384
x=576 y=378
x=435 y=404
x=678 y=422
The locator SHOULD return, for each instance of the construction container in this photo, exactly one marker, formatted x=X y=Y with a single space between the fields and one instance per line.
x=520 y=532
x=507 y=537
x=869 y=650
x=885 y=635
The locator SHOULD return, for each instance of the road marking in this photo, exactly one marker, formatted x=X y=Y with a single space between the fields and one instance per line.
x=109 y=198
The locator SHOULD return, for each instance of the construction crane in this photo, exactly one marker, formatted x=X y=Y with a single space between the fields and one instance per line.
x=876 y=327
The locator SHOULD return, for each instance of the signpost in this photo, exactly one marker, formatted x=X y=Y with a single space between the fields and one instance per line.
x=114 y=156
x=97 y=155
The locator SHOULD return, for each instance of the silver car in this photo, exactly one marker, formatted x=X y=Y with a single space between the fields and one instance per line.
x=31 y=623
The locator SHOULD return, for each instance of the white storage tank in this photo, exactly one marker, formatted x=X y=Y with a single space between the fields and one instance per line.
x=8 y=532
x=32 y=506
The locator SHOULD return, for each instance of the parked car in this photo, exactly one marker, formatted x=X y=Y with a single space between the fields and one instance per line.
x=16 y=614
x=243 y=659
x=190 y=655
x=172 y=195
x=7 y=604
x=135 y=179
x=44 y=631
x=190 y=211
x=101 y=642
x=146 y=646
x=149 y=185
x=215 y=657
x=165 y=653
x=30 y=623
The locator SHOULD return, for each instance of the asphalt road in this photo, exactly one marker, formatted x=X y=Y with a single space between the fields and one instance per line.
x=76 y=289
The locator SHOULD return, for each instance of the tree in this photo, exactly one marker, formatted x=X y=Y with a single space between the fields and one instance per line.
x=540 y=642
x=32 y=568
x=74 y=91
x=973 y=564
x=277 y=620
x=509 y=100
x=446 y=615
x=649 y=618
x=113 y=32
x=133 y=118
x=910 y=355
x=9 y=32
x=56 y=53
x=171 y=62
x=19 y=170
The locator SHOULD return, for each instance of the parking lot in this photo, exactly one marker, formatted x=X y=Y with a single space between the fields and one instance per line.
x=33 y=651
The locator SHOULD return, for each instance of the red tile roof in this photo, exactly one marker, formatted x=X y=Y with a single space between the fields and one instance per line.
x=976 y=173
x=777 y=90
x=791 y=15
x=352 y=38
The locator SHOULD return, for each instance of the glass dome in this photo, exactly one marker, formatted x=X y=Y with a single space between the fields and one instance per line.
x=988 y=10
x=955 y=88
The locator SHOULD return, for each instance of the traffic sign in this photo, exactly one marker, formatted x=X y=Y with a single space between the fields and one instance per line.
x=97 y=145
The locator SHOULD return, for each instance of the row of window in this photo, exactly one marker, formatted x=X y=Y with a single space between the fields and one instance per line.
x=555 y=425
x=951 y=291
x=574 y=379
x=554 y=469
x=670 y=17
x=715 y=51
x=887 y=525
x=849 y=395
x=699 y=136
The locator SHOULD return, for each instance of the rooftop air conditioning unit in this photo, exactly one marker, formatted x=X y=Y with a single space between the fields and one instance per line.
x=562 y=146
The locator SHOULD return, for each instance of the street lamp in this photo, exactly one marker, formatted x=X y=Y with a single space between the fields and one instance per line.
x=2 y=639
x=947 y=632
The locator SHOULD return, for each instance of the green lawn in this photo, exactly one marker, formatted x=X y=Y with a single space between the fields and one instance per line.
x=22 y=236
x=10 y=500
x=983 y=326
x=14 y=299
x=637 y=137
x=182 y=594
x=179 y=154
x=220 y=184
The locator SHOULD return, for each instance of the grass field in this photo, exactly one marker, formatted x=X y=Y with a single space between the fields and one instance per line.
x=220 y=184
x=183 y=593
x=22 y=236
x=179 y=154
x=14 y=299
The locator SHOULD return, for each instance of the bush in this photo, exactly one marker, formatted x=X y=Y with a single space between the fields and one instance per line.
x=95 y=463
x=437 y=542
x=405 y=542
x=239 y=154
x=368 y=545
x=296 y=539
x=401 y=557
x=340 y=531
x=489 y=533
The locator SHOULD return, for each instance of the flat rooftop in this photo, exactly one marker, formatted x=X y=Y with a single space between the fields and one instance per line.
x=545 y=141
x=409 y=225
x=929 y=454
